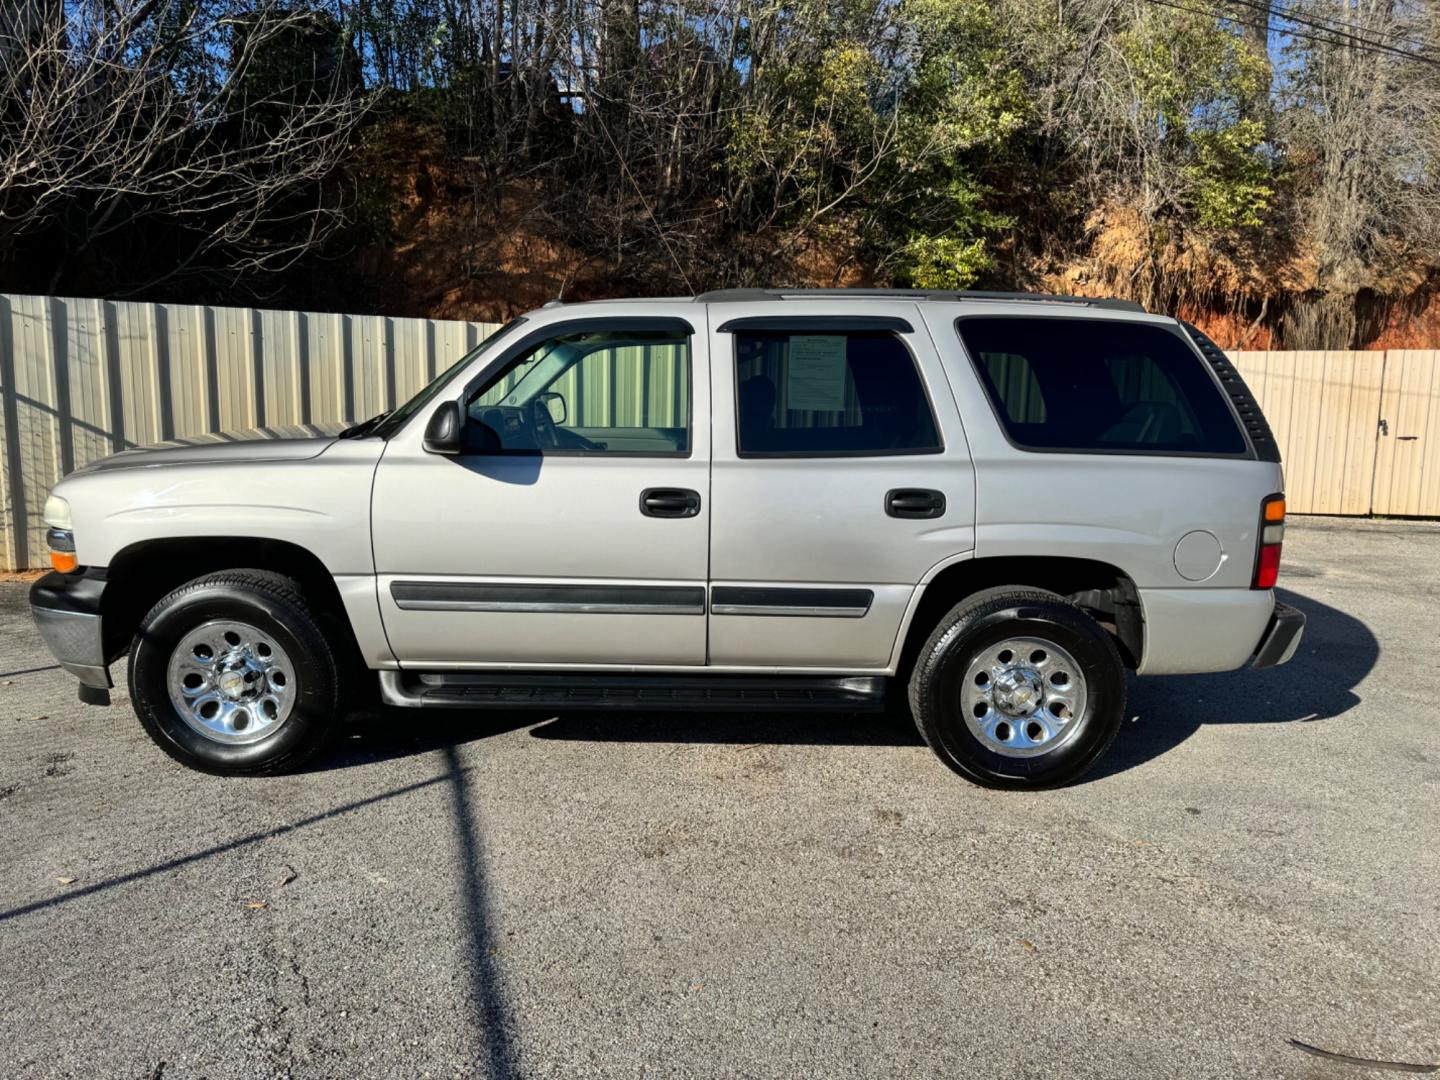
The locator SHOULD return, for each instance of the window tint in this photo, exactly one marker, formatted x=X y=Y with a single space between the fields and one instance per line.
x=846 y=393
x=611 y=391
x=1091 y=384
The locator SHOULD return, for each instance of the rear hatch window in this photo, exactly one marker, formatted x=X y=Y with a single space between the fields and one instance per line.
x=1099 y=385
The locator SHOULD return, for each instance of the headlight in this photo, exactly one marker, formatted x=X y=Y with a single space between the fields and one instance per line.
x=57 y=513
x=61 y=534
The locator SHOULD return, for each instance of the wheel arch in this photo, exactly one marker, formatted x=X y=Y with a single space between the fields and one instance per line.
x=143 y=572
x=1101 y=589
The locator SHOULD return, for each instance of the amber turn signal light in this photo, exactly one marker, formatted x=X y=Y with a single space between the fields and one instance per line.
x=62 y=550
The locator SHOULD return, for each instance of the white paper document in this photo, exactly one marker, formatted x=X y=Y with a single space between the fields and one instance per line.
x=816 y=376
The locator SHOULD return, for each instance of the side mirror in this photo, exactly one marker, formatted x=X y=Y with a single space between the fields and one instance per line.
x=442 y=433
x=555 y=403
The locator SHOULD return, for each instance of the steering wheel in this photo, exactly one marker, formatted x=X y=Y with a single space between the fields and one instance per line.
x=546 y=437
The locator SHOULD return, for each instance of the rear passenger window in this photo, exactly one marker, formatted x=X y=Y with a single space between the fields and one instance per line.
x=1092 y=384
x=851 y=393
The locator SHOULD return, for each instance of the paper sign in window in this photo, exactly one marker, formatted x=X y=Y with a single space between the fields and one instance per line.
x=815 y=379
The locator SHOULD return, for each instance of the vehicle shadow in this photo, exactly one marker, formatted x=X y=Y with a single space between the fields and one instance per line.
x=384 y=733
x=1336 y=653
x=738 y=728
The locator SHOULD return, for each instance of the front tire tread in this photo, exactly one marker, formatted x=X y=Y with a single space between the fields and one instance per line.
x=283 y=595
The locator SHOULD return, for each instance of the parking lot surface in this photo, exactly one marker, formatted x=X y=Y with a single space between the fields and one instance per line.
x=770 y=896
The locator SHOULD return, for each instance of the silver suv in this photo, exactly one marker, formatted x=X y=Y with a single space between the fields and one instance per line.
x=992 y=504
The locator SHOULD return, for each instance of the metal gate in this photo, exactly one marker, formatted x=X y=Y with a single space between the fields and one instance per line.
x=1359 y=432
x=1407 y=465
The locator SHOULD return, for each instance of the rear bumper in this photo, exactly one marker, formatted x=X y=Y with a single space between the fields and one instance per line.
x=1281 y=639
x=1194 y=630
x=66 y=608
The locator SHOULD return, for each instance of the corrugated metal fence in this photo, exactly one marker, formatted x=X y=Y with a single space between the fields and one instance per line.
x=79 y=379
x=1359 y=431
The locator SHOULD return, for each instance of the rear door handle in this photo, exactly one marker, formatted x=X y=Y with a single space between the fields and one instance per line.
x=669 y=502
x=914 y=503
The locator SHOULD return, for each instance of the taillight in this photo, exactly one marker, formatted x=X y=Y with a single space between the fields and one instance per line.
x=1272 y=535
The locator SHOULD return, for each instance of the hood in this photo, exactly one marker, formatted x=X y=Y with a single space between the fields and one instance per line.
x=257 y=444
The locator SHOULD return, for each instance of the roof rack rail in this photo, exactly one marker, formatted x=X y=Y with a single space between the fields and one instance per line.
x=738 y=295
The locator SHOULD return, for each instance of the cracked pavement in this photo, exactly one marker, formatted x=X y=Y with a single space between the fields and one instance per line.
x=513 y=895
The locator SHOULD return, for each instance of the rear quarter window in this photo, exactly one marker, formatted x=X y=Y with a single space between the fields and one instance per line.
x=1099 y=385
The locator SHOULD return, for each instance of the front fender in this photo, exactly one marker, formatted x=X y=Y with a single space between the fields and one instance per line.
x=321 y=504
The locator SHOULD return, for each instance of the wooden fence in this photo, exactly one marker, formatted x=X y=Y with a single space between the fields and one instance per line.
x=80 y=379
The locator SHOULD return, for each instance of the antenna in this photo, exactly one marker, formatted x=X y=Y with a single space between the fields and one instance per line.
x=559 y=294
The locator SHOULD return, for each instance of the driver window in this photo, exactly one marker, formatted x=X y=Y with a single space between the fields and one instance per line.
x=613 y=391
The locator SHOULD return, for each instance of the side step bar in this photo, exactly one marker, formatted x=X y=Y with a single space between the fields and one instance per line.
x=563 y=690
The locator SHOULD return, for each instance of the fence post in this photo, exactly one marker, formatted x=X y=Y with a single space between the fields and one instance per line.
x=12 y=479
x=1379 y=418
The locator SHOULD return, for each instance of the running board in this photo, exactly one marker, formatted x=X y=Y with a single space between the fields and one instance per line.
x=560 y=690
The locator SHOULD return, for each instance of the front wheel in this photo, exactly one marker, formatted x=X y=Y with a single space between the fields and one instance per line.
x=1018 y=688
x=231 y=674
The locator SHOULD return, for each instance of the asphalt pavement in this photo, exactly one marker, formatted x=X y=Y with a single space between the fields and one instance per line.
x=483 y=895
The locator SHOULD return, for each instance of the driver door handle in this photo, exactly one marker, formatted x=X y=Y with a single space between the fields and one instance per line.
x=669 y=502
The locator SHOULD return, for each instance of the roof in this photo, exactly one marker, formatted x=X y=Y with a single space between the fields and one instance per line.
x=720 y=296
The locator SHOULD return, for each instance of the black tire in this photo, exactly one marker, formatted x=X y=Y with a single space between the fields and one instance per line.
x=988 y=618
x=273 y=604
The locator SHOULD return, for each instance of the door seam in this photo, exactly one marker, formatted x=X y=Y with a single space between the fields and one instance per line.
x=709 y=476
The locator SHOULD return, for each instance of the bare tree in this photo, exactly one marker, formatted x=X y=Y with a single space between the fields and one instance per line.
x=1359 y=119
x=220 y=131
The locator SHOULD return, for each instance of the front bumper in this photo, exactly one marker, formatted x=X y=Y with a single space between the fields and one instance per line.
x=66 y=608
x=1282 y=637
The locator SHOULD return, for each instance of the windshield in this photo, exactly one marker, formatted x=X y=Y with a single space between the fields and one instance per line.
x=387 y=425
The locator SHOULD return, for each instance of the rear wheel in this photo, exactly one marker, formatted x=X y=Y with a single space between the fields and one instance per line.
x=232 y=674
x=1018 y=688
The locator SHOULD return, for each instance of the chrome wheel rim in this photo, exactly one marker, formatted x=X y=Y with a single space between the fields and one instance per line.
x=231 y=682
x=1023 y=697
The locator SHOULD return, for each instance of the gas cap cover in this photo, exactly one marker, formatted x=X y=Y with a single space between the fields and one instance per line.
x=1198 y=555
